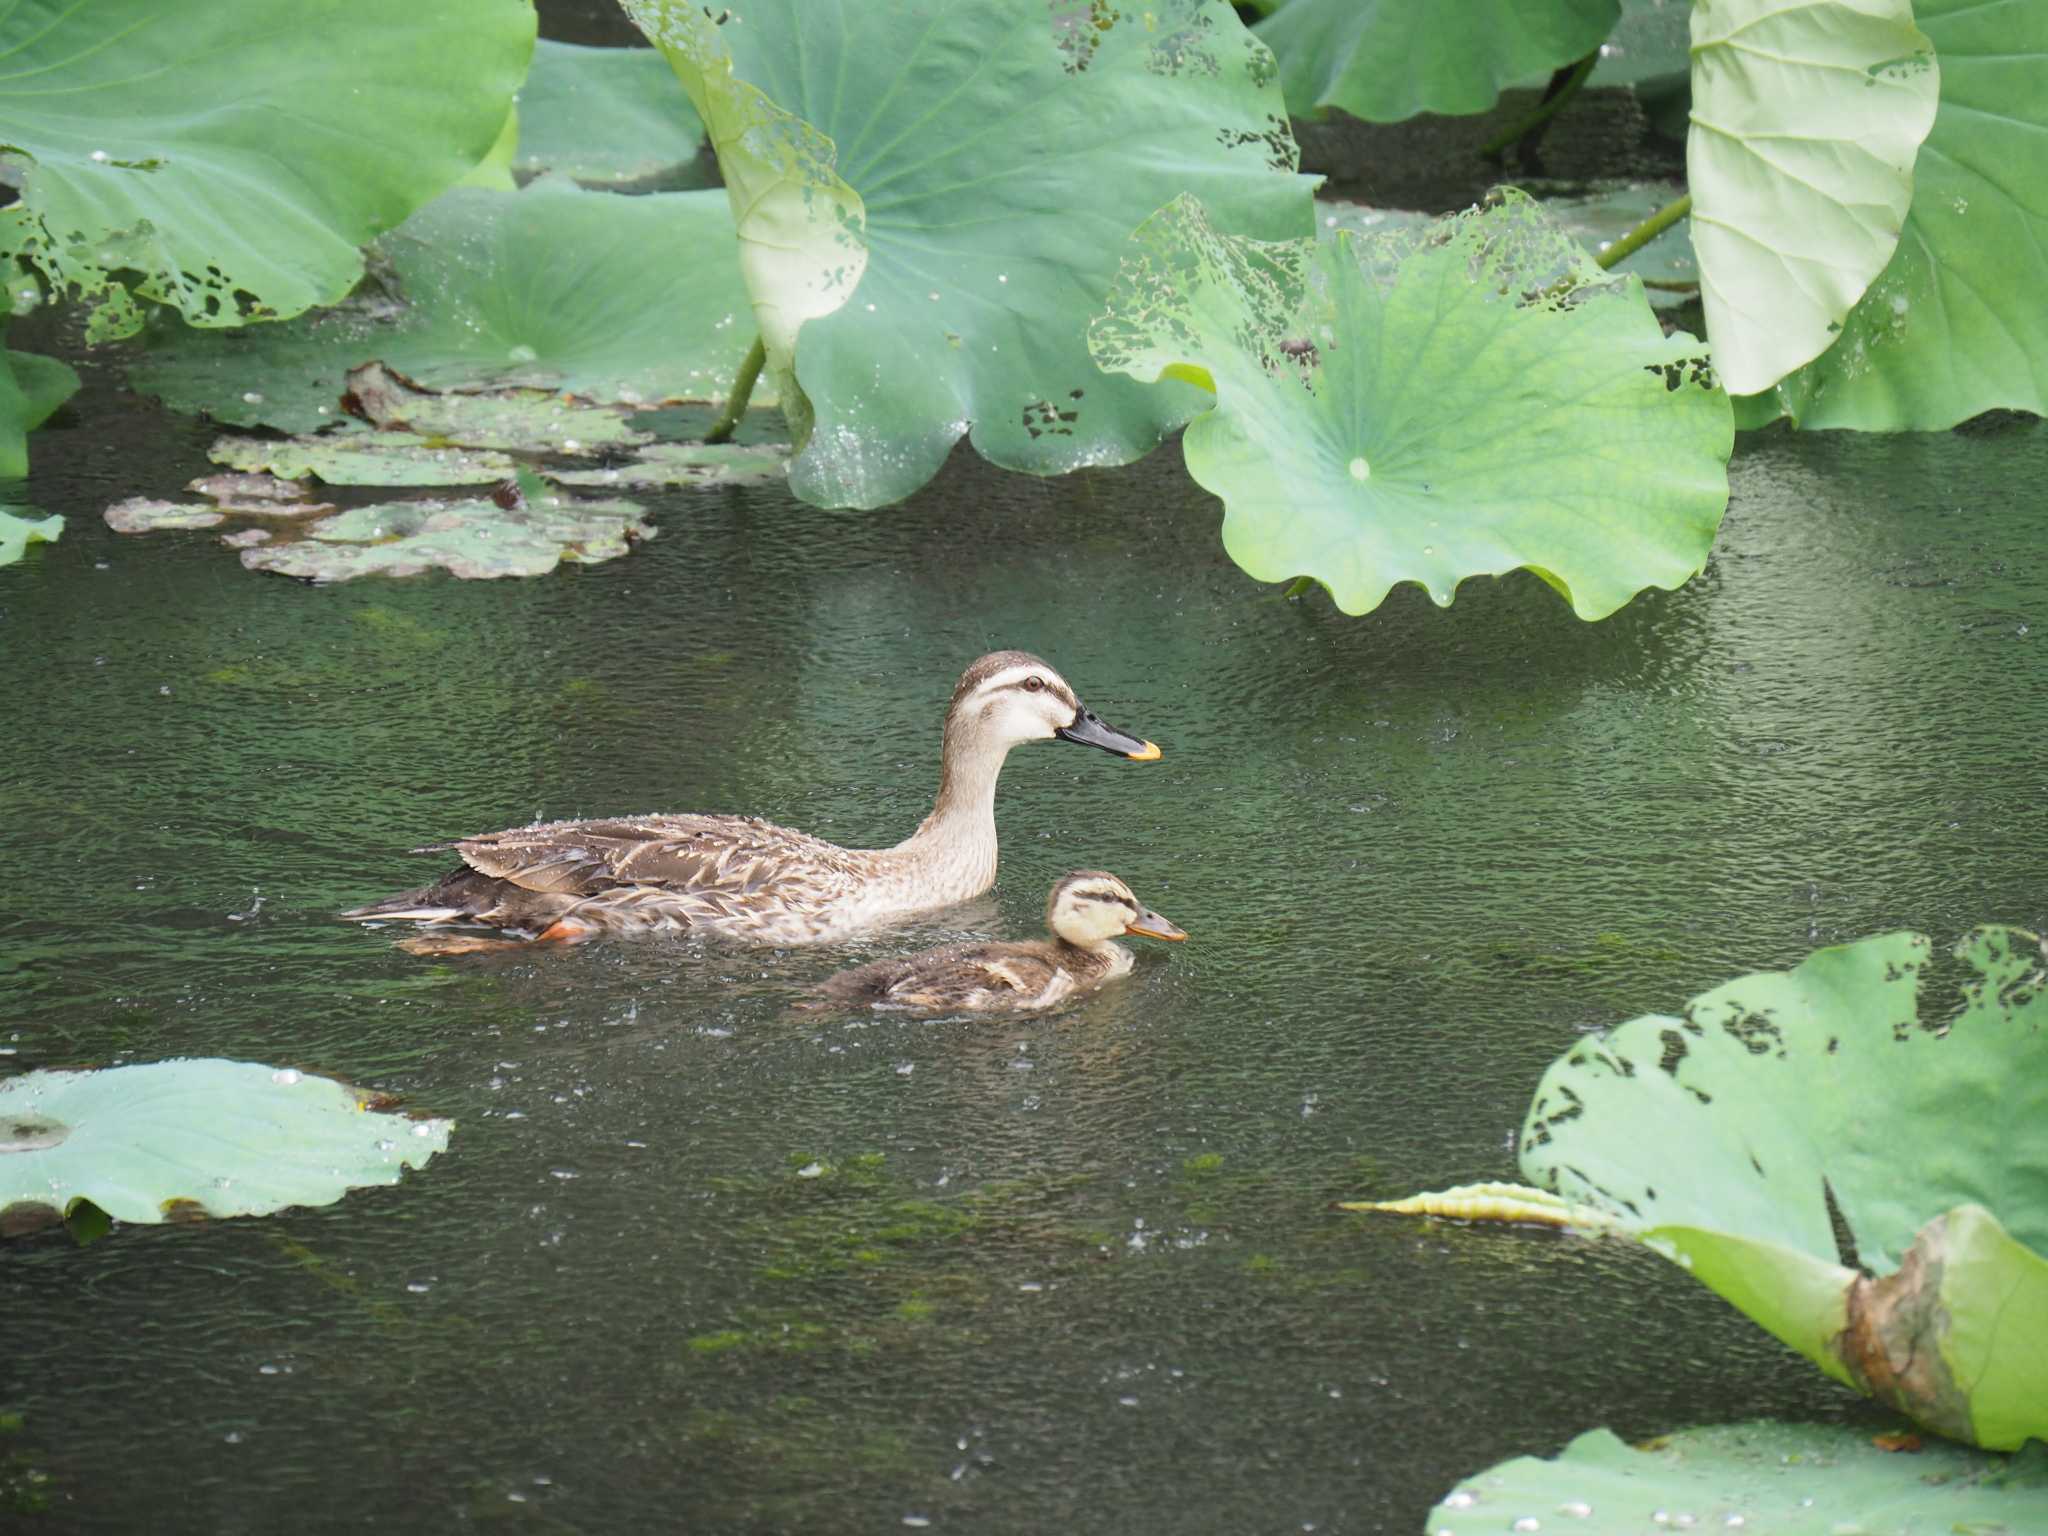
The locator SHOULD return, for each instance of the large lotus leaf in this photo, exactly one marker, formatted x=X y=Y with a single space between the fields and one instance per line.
x=938 y=195
x=236 y=154
x=1461 y=398
x=628 y=300
x=1838 y=1167
x=18 y=532
x=603 y=115
x=1389 y=59
x=31 y=388
x=1805 y=121
x=1955 y=325
x=1764 y=1478
x=218 y=1138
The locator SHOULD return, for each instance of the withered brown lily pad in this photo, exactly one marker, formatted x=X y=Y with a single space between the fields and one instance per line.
x=1866 y=1179
x=472 y=539
x=533 y=420
x=368 y=456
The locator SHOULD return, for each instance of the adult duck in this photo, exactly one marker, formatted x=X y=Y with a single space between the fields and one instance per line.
x=1086 y=912
x=742 y=878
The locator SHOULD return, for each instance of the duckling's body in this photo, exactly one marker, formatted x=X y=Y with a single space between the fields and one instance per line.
x=745 y=879
x=1085 y=910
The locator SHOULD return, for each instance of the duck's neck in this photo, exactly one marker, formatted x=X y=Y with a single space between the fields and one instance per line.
x=954 y=848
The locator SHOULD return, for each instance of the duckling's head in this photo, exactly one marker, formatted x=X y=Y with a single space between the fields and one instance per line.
x=1009 y=697
x=1091 y=907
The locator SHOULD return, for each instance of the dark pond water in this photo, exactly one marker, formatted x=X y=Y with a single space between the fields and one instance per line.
x=1077 y=1272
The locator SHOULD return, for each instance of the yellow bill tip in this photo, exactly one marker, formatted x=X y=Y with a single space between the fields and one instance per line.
x=1149 y=753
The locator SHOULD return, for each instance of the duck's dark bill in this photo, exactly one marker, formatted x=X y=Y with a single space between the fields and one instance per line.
x=1150 y=925
x=1091 y=730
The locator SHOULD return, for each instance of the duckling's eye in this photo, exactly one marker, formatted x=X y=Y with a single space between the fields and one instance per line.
x=1033 y=684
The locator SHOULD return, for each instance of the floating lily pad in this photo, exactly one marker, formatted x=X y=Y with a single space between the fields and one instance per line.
x=1460 y=398
x=181 y=1138
x=631 y=301
x=209 y=205
x=923 y=251
x=1385 y=60
x=603 y=115
x=18 y=532
x=263 y=494
x=678 y=464
x=535 y=420
x=1955 y=325
x=1766 y=1478
x=31 y=389
x=471 y=539
x=371 y=457
x=1805 y=122
x=147 y=514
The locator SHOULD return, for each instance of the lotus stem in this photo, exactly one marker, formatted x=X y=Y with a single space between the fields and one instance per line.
x=1553 y=103
x=742 y=391
x=1645 y=232
x=1301 y=586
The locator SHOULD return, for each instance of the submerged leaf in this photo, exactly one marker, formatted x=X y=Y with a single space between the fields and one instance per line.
x=603 y=115
x=1385 y=60
x=18 y=532
x=1783 y=1479
x=673 y=464
x=631 y=301
x=1955 y=325
x=1805 y=122
x=1810 y=1147
x=248 y=201
x=530 y=419
x=1463 y=398
x=470 y=539
x=370 y=457
x=923 y=251
x=214 y=1138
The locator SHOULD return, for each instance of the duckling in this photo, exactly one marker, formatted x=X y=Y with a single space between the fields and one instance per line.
x=745 y=879
x=1085 y=911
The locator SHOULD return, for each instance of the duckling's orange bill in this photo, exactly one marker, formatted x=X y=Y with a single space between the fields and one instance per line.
x=1150 y=925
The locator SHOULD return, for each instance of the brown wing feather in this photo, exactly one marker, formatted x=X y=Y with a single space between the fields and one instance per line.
x=963 y=976
x=732 y=856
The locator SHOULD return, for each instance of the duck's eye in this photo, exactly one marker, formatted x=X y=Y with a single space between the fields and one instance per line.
x=1034 y=684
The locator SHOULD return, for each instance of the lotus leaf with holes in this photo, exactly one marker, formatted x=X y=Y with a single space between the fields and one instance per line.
x=232 y=157
x=932 y=200
x=1460 y=398
x=1787 y=1128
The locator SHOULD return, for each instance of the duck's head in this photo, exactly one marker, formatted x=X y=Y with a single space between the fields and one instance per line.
x=1010 y=697
x=1090 y=907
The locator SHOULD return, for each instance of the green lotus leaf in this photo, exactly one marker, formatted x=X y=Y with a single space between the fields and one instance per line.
x=1456 y=399
x=367 y=457
x=1784 y=1479
x=215 y=1138
x=1385 y=60
x=1838 y=1165
x=603 y=115
x=1805 y=122
x=1955 y=326
x=31 y=389
x=471 y=539
x=234 y=156
x=933 y=221
x=619 y=300
x=1595 y=220
x=18 y=532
